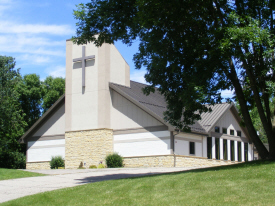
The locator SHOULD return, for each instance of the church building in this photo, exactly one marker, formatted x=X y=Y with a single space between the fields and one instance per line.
x=103 y=111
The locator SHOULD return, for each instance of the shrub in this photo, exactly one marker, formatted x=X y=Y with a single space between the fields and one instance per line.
x=114 y=160
x=101 y=166
x=92 y=167
x=12 y=160
x=57 y=161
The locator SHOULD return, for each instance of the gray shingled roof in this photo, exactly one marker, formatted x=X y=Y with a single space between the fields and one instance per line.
x=208 y=119
x=156 y=105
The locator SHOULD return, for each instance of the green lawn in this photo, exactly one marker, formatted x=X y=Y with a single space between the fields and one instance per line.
x=244 y=184
x=6 y=174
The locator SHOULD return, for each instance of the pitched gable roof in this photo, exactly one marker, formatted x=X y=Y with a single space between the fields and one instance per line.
x=155 y=105
x=209 y=119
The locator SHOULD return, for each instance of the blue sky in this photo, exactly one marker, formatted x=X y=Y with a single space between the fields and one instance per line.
x=34 y=32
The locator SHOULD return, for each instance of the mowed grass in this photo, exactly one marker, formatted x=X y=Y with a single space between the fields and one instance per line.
x=243 y=184
x=6 y=174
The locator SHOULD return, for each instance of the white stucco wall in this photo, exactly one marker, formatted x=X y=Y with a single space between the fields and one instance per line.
x=125 y=114
x=54 y=125
x=182 y=144
x=44 y=150
x=119 y=69
x=142 y=144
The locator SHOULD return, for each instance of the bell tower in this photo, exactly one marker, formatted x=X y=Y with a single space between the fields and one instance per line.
x=89 y=69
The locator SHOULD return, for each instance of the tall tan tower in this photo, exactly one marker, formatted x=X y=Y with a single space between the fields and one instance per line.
x=88 y=101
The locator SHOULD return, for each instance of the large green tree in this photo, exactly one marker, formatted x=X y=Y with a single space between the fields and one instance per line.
x=11 y=115
x=193 y=50
x=30 y=92
x=53 y=89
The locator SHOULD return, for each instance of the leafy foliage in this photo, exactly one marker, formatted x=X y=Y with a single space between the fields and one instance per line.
x=114 y=160
x=57 y=161
x=30 y=93
x=53 y=89
x=101 y=166
x=192 y=51
x=11 y=115
x=12 y=160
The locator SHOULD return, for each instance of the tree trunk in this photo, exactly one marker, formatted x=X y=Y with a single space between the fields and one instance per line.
x=246 y=116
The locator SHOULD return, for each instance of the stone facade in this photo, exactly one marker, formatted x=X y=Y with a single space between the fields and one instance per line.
x=38 y=165
x=149 y=161
x=173 y=161
x=189 y=161
x=85 y=148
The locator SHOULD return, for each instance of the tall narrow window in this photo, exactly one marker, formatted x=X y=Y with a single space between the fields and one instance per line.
x=217 y=129
x=225 y=149
x=239 y=133
x=209 y=147
x=239 y=151
x=192 y=148
x=217 y=148
x=232 y=150
x=232 y=132
x=224 y=130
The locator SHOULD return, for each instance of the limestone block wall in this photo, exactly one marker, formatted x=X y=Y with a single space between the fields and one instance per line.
x=189 y=161
x=88 y=147
x=149 y=161
x=38 y=165
x=173 y=160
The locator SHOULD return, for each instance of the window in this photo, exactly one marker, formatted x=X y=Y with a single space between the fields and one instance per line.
x=239 y=145
x=232 y=150
x=232 y=132
x=192 y=148
x=217 y=148
x=217 y=129
x=209 y=147
x=225 y=149
x=239 y=133
x=224 y=130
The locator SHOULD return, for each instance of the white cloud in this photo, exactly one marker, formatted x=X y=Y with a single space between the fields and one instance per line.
x=227 y=93
x=56 y=71
x=31 y=40
x=5 y=5
x=15 y=28
x=31 y=44
x=138 y=76
x=34 y=59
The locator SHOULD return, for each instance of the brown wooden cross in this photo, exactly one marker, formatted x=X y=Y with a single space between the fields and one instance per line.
x=83 y=60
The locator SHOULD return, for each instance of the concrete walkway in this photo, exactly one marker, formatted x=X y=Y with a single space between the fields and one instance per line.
x=57 y=179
